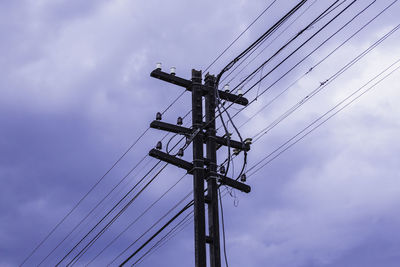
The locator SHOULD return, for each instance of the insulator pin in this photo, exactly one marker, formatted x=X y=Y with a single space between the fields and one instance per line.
x=179 y=121
x=222 y=169
x=159 y=145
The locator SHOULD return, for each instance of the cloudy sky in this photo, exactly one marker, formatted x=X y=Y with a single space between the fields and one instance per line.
x=76 y=93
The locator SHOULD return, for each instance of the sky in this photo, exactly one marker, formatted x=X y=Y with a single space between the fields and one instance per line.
x=76 y=93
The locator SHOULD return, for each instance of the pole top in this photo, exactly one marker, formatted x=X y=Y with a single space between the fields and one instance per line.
x=209 y=78
x=196 y=75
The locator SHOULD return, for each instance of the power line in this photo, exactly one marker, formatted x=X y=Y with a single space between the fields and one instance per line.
x=181 y=225
x=93 y=187
x=235 y=60
x=137 y=218
x=92 y=210
x=326 y=113
x=309 y=71
x=174 y=230
x=326 y=83
x=297 y=49
x=287 y=57
x=223 y=227
x=109 y=212
x=130 y=148
x=83 y=198
x=128 y=192
x=240 y=35
x=321 y=117
x=268 y=45
x=249 y=170
x=151 y=227
x=159 y=231
x=293 y=53
x=108 y=225
x=99 y=234
x=264 y=36
x=287 y=44
x=261 y=38
x=314 y=66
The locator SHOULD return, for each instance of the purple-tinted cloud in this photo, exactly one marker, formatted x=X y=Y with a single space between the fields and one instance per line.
x=75 y=92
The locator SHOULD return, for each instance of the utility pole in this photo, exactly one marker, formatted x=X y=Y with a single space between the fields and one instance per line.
x=202 y=168
x=198 y=171
x=212 y=189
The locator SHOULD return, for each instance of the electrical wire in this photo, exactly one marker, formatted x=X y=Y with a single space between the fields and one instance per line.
x=326 y=113
x=91 y=211
x=136 y=219
x=249 y=170
x=240 y=35
x=116 y=205
x=315 y=65
x=94 y=239
x=172 y=232
x=262 y=65
x=325 y=83
x=83 y=198
x=242 y=53
x=128 y=150
x=223 y=226
x=321 y=117
x=277 y=52
x=296 y=50
x=180 y=226
x=151 y=227
x=233 y=62
x=93 y=187
x=109 y=212
x=80 y=201
x=268 y=45
x=288 y=43
x=158 y=232
x=261 y=38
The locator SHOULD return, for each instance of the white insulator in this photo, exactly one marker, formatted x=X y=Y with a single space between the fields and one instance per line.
x=240 y=91
x=173 y=70
x=226 y=88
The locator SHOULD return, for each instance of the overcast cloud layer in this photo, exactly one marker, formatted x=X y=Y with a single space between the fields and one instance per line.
x=76 y=92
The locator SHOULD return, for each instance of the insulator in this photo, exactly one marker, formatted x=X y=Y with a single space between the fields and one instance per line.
x=236 y=151
x=158 y=66
x=180 y=152
x=240 y=91
x=179 y=121
x=248 y=141
x=243 y=178
x=173 y=70
x=158 y=116
x=222 y=169
x=226 y=88
x=159 y=145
